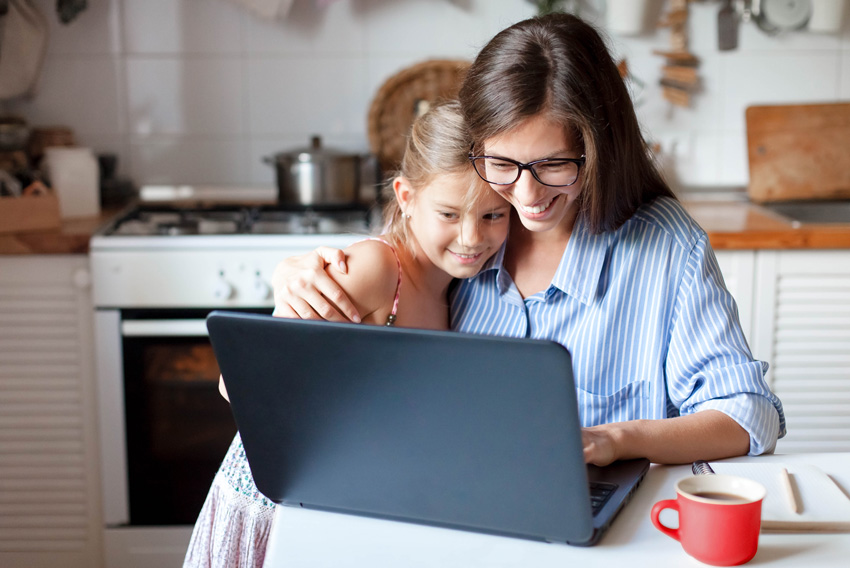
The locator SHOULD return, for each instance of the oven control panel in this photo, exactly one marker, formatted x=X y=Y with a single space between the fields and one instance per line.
x=231 y=277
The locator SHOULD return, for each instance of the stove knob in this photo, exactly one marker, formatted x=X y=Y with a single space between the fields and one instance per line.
x=260 y=290
x=223 y=290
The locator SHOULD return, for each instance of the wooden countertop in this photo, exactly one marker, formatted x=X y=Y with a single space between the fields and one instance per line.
x=741 y=225
x=731 y=225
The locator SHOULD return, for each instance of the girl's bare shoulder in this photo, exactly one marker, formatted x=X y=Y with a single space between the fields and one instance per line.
x=372 y=278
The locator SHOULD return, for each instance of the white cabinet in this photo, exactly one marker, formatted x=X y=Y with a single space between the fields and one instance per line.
x=802 y=327
x=49 y=496
x=795 y=311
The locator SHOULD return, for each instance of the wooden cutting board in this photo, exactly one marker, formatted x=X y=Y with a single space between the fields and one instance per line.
x=799 y=152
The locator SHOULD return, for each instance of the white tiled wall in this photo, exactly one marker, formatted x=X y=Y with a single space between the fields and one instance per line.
x=198 y=91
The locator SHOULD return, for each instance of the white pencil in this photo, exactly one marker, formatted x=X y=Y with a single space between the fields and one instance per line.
x=789 y=491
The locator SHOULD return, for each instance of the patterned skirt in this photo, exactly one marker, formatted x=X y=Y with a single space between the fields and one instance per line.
x=233 y=527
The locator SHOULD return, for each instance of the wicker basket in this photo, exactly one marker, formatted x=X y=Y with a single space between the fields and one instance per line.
x=402 y=97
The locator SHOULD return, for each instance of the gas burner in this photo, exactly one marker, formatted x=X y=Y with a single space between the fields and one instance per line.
x=268 y=220
x=184 y=227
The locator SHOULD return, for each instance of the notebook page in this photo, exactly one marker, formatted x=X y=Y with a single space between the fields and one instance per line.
x=822 y=504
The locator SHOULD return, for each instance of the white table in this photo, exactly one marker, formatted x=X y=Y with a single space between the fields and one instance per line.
x=301 y=537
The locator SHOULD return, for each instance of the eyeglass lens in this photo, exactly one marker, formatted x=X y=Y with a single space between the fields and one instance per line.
x=550 y=172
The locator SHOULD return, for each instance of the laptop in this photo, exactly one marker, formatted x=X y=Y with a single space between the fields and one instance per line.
x=464 y=431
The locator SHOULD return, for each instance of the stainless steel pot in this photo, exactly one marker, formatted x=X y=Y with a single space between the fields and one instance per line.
x=316 y=176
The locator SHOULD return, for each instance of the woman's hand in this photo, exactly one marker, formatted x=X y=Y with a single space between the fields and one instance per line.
x=600 y=447
x=705 y=435
x=302 y=288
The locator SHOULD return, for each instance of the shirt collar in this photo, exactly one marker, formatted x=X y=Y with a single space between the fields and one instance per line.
x=581 y=266
x=580 y=269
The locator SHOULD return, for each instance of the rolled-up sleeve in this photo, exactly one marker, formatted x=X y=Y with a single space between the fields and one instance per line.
x=709 y=364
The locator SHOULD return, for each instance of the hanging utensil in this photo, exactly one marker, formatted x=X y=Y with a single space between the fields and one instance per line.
x=727 y=27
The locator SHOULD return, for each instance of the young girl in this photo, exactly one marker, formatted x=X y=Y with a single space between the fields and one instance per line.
x=443 y=222
x=601 y=258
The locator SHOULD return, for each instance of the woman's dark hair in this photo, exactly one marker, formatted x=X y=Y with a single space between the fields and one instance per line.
x=558 y=65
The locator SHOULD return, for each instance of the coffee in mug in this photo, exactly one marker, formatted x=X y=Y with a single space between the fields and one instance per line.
x=719 y=518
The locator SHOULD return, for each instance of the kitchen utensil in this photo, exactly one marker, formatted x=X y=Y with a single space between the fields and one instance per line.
x=115 y=191
x=727 y=27
x=827 y=16
x=316 y=176
x=45 y=137
x=9 y=184
x=776 y=16
x=14 y=134
x=36 y=189
x=719 y=518
x=626 y=17
x=798 y=152
x=23 y=45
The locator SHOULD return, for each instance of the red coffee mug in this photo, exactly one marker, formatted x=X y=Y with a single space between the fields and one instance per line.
x=719 y=518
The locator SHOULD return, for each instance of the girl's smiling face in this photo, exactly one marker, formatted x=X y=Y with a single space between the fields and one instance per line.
x=540 y=207
x=455 y=237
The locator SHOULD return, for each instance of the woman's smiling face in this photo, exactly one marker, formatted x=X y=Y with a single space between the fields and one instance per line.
x=540 y=207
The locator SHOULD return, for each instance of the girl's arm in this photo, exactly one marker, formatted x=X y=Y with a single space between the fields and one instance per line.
x=368 y=285
x=370 y=282
x=222 y=390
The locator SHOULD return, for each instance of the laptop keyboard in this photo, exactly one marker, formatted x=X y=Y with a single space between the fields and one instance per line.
x=599 y=494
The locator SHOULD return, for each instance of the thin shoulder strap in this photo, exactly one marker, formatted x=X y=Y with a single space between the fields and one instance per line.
x=391 y=318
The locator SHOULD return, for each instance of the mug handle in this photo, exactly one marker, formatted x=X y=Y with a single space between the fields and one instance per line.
x=656 y=510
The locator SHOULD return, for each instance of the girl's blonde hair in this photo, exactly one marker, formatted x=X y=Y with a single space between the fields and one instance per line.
x=438 y=145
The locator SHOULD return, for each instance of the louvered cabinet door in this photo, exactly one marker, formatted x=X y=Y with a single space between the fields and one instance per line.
x=803 y=320
x=49 y=499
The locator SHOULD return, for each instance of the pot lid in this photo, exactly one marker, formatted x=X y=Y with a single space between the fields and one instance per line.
x=313 y=153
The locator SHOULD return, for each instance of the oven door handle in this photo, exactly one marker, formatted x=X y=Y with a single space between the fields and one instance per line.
x=164 y=328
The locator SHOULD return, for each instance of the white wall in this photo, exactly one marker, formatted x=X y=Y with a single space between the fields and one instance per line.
x=197 y=91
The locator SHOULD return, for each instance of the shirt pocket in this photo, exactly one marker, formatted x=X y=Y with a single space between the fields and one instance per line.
x=628 y=403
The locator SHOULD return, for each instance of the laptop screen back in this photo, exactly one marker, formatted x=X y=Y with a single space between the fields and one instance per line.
x=464 y=431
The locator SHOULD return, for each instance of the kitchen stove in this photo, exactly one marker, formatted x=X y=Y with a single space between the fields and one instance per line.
x=157 y=270
x=195 y=251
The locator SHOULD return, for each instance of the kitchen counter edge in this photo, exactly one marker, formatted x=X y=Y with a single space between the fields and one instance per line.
x=730 y=225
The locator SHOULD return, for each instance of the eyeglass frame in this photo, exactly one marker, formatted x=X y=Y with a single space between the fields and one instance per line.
x=579 y=162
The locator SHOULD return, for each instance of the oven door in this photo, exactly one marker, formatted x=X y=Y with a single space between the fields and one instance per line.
x=165 y=429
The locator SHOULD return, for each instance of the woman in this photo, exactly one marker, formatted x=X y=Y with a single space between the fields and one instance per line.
x=601 y=258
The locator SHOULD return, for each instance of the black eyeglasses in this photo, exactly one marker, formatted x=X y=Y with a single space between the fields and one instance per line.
x=554 y=172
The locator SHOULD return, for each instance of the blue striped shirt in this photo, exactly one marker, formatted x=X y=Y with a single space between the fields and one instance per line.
x=652 y=330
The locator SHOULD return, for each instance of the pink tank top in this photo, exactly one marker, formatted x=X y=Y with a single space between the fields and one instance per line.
x=392 y=317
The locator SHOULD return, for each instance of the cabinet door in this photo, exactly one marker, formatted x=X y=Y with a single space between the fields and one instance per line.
x=803 y=306
x=49 y=498
x=738 y=268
